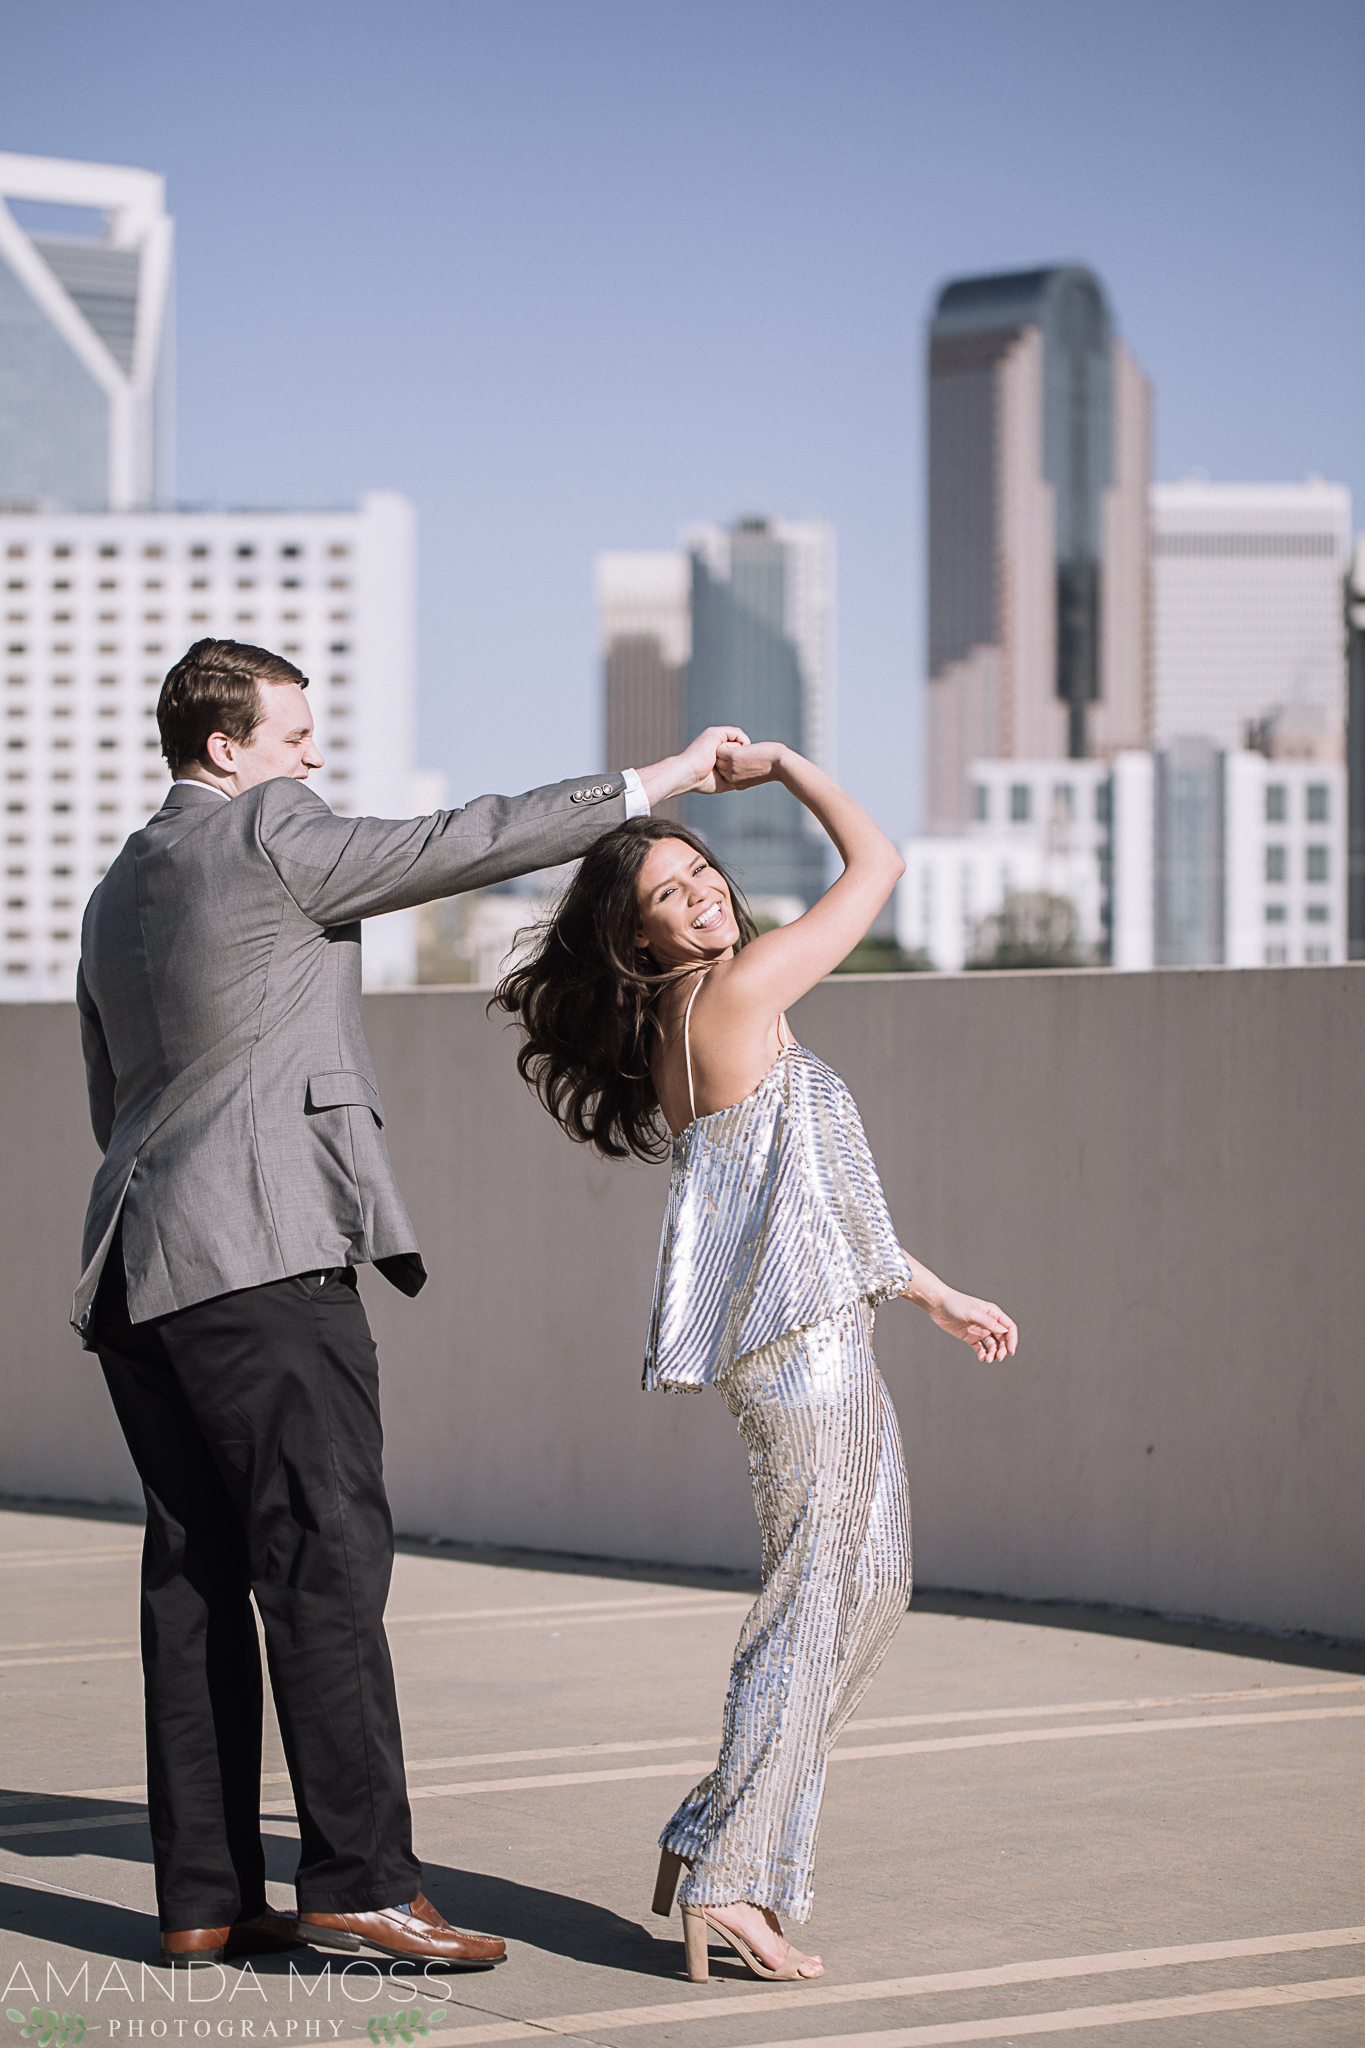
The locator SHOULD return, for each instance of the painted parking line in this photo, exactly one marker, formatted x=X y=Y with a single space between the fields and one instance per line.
x=675 y=1602
x=70 y=1643
x=1246 y=1998
x=80 y=1657
x=548 y=1755
x=71 y=1827
x=1007 y=1737
x=20 y=1559
x=564 y=1617
x=1050 y=1970
x=475 y=1623
x=1179 y=1699
x=685 y=1766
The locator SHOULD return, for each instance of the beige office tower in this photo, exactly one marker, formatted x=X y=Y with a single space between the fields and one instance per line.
x=645 y=630
x=1249 y=642
x=1039 y=458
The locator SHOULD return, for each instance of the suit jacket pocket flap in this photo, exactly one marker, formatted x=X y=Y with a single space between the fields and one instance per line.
x=340 y=1090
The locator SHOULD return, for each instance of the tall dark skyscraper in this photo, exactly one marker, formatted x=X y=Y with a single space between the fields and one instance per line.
x=1039 y=431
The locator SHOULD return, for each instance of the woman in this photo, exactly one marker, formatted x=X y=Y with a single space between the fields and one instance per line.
x=651 y=999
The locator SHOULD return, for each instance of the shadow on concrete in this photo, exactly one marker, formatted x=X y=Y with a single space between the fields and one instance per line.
x=553 y=1921
x=1186 y=1632
x=94 y=1927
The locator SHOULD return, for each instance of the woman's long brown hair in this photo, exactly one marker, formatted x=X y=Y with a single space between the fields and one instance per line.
x=587 y=998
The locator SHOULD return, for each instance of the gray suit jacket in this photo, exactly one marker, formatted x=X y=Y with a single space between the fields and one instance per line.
x=231 y=1089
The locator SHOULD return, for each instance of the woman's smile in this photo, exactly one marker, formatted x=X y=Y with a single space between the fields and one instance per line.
x=713 y=915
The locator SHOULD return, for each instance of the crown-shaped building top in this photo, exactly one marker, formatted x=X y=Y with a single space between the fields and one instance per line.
x=85 y=336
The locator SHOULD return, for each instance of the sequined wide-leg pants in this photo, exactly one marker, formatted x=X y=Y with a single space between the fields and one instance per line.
x=829 y=1486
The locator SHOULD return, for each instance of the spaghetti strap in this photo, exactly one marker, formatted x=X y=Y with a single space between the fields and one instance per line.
x=784 y=1038
x=687 y=1044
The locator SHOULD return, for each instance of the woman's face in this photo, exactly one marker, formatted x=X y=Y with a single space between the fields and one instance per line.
x=685 y=909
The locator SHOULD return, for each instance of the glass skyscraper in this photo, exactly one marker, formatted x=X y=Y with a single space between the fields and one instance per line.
x=1039 y=428
x=85 y=337
x=762 y=657
x=734 y=627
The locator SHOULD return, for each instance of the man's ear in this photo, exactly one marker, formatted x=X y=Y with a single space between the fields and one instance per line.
x=219 y=749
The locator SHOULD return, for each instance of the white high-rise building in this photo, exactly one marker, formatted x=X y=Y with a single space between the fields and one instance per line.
x=1248 y=641
x=1036 y=827
x=86 y=341
x=1186 y=856
x=99 y=606
x=1284 y=862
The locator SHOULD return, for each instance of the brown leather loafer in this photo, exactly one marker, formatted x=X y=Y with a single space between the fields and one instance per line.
x=264 y=1934
x=416 y=1929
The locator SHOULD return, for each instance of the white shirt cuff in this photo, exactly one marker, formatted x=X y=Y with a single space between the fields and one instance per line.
x=637 y=803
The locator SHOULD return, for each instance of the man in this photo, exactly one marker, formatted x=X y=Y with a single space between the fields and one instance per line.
x=245 y=1177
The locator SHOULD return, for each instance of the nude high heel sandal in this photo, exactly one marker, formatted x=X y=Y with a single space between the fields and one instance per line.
x=696 y=1923
x=671 y=1866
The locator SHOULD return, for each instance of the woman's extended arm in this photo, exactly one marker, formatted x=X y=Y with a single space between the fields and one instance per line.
x=991 y=1333
x=783 y=965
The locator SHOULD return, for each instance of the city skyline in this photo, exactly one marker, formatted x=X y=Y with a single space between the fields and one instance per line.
x=562 y=278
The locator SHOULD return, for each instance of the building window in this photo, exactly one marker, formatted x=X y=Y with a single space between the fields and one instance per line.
x=1276 y=864
x=1317 y=803
x=1021 y=805
x=1275 y=913
x=1277 y=956
x=981 y=802
x=1104 y=804
x=1317 y=956
x=1317 y=864
x=1276 y=803
x=1063 y=800
x=1319 y=913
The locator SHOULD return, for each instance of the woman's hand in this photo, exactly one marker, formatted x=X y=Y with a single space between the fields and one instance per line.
x=745 y=766
x=991 y=1333
x=694 y=768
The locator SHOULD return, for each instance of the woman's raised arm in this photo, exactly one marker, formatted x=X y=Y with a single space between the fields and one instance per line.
x=781 y=966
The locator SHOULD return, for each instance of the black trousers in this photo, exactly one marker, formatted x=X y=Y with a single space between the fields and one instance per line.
x=253 y=1420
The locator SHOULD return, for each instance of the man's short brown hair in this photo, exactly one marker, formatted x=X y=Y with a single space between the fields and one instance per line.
x=213 y=689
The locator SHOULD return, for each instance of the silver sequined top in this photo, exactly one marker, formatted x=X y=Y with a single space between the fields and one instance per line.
x=776 y=1219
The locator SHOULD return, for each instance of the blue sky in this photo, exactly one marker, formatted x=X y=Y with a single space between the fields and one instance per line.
x=571 y=272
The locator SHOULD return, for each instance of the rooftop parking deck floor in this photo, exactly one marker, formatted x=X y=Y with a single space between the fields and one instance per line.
x=1043 y=1820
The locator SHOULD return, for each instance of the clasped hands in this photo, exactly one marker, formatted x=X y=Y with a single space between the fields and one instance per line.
x=723 y=758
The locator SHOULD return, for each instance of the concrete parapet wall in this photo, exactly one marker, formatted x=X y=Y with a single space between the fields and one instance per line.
x=1162 y=1176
